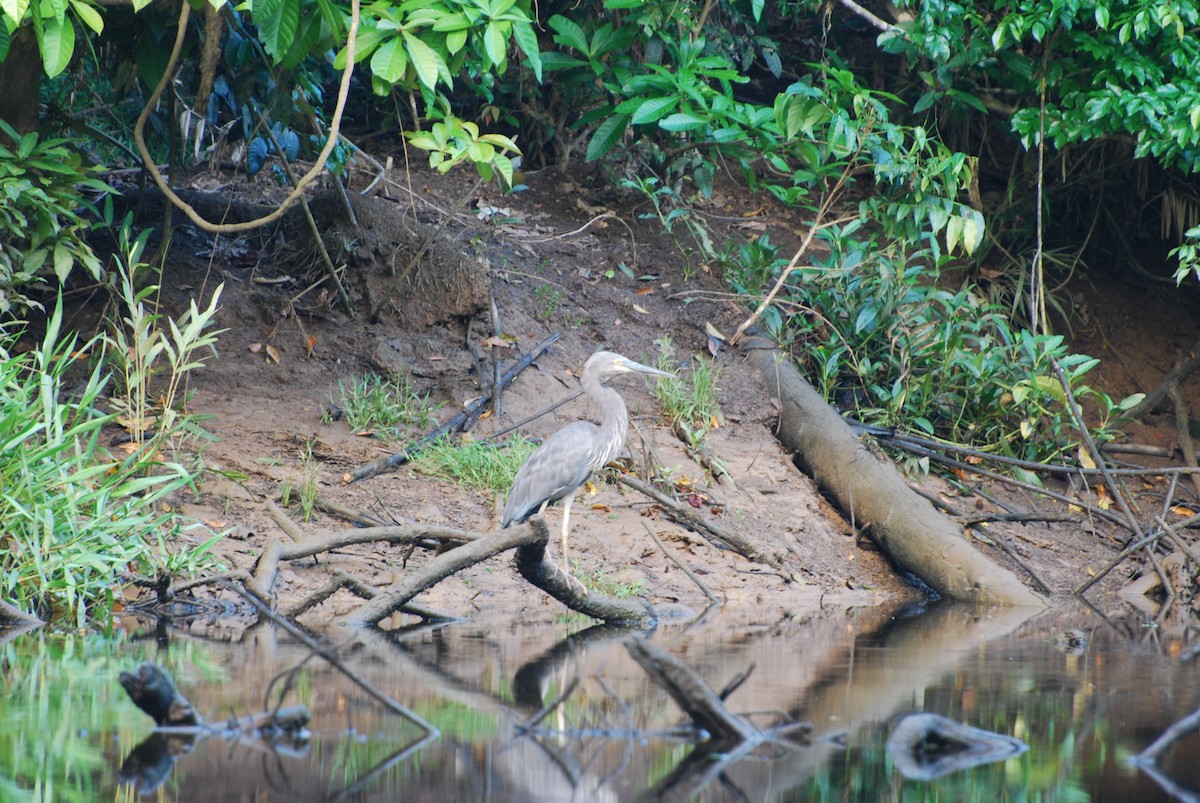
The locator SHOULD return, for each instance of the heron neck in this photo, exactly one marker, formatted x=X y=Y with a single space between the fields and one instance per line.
x=614 y=422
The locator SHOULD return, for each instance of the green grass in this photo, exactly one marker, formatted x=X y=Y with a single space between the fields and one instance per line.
x=480 y=465
x=384 y=406
x=77 y=518
x=608 y=584
x=690 y=399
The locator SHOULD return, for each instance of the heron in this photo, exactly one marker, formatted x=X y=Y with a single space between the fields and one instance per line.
x=566 y=459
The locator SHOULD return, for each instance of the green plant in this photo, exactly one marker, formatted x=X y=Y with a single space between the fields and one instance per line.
x=549 y=300
x=895 y=348
x=141 y=348
x=607 y=583
x=309 y=473
x=77 y=518
x=45 y=215
x=475 y=464
x=384 y=406
x=690 y=403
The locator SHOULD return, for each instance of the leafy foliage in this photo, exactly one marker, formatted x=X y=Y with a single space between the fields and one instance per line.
x=77 y=518
x=44 y=214
x=888 y=344
x=1113 y=68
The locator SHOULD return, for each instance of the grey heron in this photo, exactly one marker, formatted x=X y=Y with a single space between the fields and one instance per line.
x=566 y=459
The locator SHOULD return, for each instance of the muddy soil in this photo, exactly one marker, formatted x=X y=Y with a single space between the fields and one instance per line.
x=555 y=258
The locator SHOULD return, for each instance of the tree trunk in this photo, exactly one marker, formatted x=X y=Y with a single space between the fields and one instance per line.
x=22 y=71
x=905 y=525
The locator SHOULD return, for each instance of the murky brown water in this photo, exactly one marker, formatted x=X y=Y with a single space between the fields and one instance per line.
x=1084 y=704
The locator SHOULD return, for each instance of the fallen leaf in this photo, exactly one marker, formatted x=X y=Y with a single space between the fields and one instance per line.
x=310 y=343
x=255 y=348
x=1181 y=510
x=713 y=331
x=603 y=508
x=642 y=310
x=1104 y=500
x=495 y=342
x=646 y=291
x=215 y=525
x=273 y=353
x=1085 y=458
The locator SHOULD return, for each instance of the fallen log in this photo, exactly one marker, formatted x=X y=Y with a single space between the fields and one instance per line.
x=906 y=526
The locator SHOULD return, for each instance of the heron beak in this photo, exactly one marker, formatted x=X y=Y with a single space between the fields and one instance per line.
x=630 y=365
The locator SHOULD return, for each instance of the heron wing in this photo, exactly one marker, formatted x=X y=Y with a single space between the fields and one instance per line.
x=557 y=468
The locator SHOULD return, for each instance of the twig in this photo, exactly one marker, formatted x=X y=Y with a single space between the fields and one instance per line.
x=873 y=20
x=996 y=476
x=497 y=365
x=999 y=541
x=1129 y=550
x=1182 y=429
x=575 y=394
x=971 y=521
x=1171 y=735
x=698 y=523
x=1081 y=425
x=332 y=659
x=675 y=559
x=458 y=422
x=318 y=240
x=1183 y=368
x=283 y=520
x=275 y=551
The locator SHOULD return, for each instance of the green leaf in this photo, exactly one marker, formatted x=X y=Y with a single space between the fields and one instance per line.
x=455 y=40
x=63 y=261
x=756 y=8
x=495 y=42
x=682 y=121
x=569 y=33
x=5 y=42
x=88 y=15
x=14 y=10
x=424 y=59
x=277 y=21
x=652 y=109
x=390 y=60
x=58 y=44
x=527 y=40
x=607 y=135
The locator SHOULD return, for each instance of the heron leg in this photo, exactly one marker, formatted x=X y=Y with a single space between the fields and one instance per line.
x=566 y=527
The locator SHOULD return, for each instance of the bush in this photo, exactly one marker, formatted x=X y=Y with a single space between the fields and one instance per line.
x=44 y=215
x=77 y=519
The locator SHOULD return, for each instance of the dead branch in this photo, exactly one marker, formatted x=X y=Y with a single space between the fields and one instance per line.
x=283 y=520
x=1171 y=735
x=153 y=690
x=12 y=615
x=1183 y=432
x=689 y=691
x=458 y=423
x=691 y=575
x=1183 y=368
x=532 y=564
x=912 y=532
x=697 y=523
x=444 y=565
x=275 y=551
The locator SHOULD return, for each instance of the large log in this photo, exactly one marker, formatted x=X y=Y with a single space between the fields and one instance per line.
x=906 y=526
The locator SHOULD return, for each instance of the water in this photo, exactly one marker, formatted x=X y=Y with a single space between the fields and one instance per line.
x=1084 y=703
